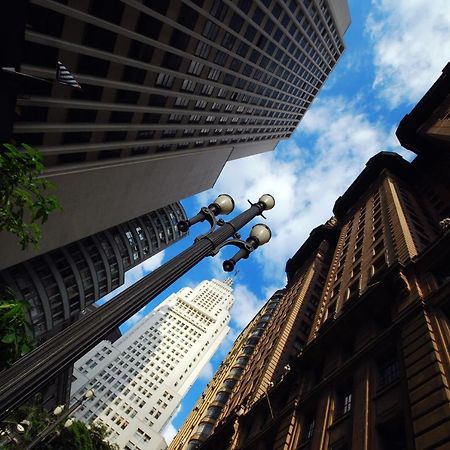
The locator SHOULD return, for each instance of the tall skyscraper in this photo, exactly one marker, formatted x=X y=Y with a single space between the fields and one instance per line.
x=172 y=90
x=141 y=379
x=58 y=285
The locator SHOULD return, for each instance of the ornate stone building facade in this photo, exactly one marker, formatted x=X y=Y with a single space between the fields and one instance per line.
x=356 y=355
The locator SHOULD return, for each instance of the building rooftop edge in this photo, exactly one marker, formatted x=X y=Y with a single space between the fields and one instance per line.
x=341 y=14
x=382 y=160
x=317 y=235
x=408 y=130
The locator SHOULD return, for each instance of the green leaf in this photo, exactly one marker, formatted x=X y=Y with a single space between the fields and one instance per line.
x=23 y=194
x=25 y=349
x=9 y=339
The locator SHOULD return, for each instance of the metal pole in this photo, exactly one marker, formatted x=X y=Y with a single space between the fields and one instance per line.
x=34 y=370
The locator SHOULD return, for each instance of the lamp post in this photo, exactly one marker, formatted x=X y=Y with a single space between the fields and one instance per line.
x=62 y=414
x=35 y=369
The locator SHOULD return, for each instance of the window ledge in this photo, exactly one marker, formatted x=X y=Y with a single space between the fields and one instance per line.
x=341 y=419
x=387 y=387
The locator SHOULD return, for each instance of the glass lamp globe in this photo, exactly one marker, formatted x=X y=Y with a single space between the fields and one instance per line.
x=68 y=423
x=225 y=203
x=89 y=393
x=58 y=410
x=262 y=233
x=20 y=428
x=268 y=201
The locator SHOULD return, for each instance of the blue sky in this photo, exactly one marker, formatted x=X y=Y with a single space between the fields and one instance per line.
x=395 y=50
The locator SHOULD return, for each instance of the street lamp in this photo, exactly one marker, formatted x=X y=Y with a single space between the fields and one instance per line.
x=58 y=410
x=223 y=204
x=69 y=422
x=62 y=414
x=259 y=235
x=32 y=372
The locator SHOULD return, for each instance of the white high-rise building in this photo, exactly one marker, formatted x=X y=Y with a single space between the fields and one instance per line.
x=140 y=380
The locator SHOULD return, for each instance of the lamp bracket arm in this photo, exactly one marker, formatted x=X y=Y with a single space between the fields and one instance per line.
x=212 y=220
x=236 y=242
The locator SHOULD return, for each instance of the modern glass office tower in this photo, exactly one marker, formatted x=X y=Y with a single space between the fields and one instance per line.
x=141 y=379
x=171 y=90
x=59 y=284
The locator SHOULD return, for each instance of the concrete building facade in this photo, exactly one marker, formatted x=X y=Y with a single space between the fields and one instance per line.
x=171 y=91
x=62 y=283
x=141 y=379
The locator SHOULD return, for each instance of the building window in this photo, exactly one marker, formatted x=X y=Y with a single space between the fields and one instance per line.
x=308 y=429
x=388 y=371
x=213 y=74
x=202 y=50
x=171 y=61
x=352 y=290
x=200 y=104
x=228 y=41
x=221 y=58
x=148 y=26
x=330 y=312
x=377 y=265
x=188 y=85
x=343 y=402
x=181 y=102
x=222 y=93
x=175 y=118
x=194 y=118
x=195 y=68
x=100 y=38
x=210 y=31
x=207 y=89
x=164 y=80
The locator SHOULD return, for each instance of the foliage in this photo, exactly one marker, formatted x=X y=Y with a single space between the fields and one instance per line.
x=99 y=439
x=77 y=437
x=38 y=419
x=23 y=199
x=15 y=340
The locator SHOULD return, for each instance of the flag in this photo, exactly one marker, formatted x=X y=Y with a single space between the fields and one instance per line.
x=63 y=76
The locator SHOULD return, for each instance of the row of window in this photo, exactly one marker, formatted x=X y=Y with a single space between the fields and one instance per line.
x=388 y=371
x=150 y=26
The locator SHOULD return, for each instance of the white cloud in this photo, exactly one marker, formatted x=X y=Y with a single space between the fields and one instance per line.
x=169 y=431
x=245 y=306
x=305 y=180
x=270 y=289
x=207 y=372
x=152 y=263
x=227 y=343
x=411 y=46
